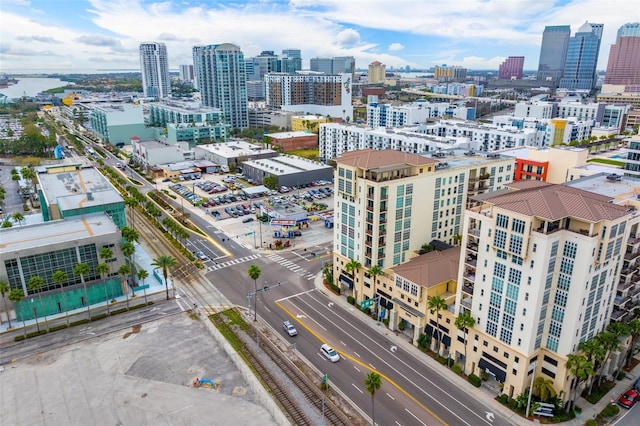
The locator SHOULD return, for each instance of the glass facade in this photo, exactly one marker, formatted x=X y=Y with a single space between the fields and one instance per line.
x=582 y=58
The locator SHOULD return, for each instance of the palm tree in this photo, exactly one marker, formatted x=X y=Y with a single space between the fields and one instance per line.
x=124 y=270
x=106 y=254
x=375 y=271
x=15 y=296
x=609 y=341
x=634 y=332
x=130 y=234
x=619 y=330
x=103 y=269
x=457 y=238
x=131 y=203
x=436 y=304
x=595 y=354
x=165 y=262
x=18 y=217
x=83 y=269
x=128 y=249
x=372 y=382
x=543 y=388
x=254 y=273
x=142 y=275
x=35 y=284
x=581 y=369
x=59 y=277
x=5 y=289
x=352 y=266
x=464 y=322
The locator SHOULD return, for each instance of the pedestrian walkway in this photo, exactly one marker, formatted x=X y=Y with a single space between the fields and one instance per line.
x=484 y=393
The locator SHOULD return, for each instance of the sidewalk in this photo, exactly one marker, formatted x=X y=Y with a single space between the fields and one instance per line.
x=484 y=393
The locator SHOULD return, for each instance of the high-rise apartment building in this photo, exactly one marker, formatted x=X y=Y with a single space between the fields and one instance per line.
x=582 y=58
x=538 y=272
x=310 y=92
x=449 y=73
x=553 y=52
x=220 y=73
x=186 y=73
x=624 y=58
x=377 y=72
x=511 y=68
x=154 y=64
x=344 y=64
x=390 y=203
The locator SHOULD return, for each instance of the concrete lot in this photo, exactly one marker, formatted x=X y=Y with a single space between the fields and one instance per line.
x=134 y=377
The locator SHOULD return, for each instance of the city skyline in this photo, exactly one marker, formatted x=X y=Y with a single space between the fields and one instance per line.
x=68 y=35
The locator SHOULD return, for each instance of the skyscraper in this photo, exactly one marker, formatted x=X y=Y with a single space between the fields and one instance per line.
x=553 y=52
x=624 y=57
x=186 y=73
x=154 y=64
x=511 y=68
x=291 y=60
x=220 y=74
x=582 y=58
x=324 y=65
x=377 y=72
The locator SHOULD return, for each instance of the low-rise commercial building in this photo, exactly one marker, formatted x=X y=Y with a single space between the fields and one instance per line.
x=232 y=153
x=290 y=170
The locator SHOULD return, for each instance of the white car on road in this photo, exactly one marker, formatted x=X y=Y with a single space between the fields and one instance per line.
x=330 y=353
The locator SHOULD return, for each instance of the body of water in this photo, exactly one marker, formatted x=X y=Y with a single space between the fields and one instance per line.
x=31 y=86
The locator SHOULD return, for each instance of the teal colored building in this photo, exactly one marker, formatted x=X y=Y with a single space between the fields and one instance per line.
x=118 y=123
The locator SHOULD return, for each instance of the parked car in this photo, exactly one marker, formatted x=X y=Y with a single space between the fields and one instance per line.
x=330 y=353
x=247 y=219
x=629 y=398
x=289 y=328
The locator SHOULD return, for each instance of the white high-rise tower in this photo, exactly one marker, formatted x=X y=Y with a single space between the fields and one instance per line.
x=154 y=64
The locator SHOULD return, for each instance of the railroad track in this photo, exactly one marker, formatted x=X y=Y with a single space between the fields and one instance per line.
x=332 y=414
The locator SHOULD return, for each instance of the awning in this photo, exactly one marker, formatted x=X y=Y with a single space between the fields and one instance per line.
x=429 y=331
x=282 y=222
x=499 y=374
x=346 y=281
x=408 y=308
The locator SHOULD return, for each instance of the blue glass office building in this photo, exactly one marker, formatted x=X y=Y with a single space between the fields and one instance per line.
x=582 y=58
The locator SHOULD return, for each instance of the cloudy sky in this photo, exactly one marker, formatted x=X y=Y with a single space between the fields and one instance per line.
x=68 y=35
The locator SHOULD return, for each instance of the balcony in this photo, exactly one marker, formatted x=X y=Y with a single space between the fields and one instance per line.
x=466 y=303
x=472 y=246
x=470 y=275
x=467 y=288
x=622 y=286
x=474 y=232
x=617 y=315
x=620 y=302
x=631 y=256
x=471 y=260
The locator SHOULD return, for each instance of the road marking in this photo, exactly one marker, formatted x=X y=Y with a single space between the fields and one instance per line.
x=389 y=395
x=414 y=416
x=357 y=369
x=359 y=390
x=370 y=365
x=357 y=354
x=301 y=316
x=266 y=309
x=330 y=304
x=489 y=416
x=394 y=348
x=398 y=424
x=343 y=343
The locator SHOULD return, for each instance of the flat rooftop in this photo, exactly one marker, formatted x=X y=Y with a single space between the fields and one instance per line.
x=234 y=149
x=285 y=164
x=621 y=189
x=61 y=231
x=287 y=135
x=76 y=187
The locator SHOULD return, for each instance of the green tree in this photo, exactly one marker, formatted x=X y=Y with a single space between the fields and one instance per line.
x=165 y=262
x=352 y=266
x=131 y=203
x=29 y=175
x=271 y=182
x=464 y=322
x=543 y=388
x=609 y=341
x=82 y=269
x=60 y=277
x=17 y=217
x=372 y=383
x=619 y=329
x=375 y=271
x=4 y=290
x=634 y=332
x=435 y=305
x=254 y=273
x=130 y=234
x=103 y=269
x=142 y=275
x=35 y=283
x=15 y=296
x=595 y=355
x=581 y=369
x=128 y=249
x=6 y=224
x=123 y=271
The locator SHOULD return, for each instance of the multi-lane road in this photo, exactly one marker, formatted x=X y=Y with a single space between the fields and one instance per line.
x=413 y=393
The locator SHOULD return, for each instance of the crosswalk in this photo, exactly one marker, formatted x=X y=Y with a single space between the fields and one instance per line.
x=292 y=266
x=232 y=262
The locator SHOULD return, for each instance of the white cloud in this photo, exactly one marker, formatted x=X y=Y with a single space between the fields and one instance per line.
x=348 y=38
x=395 y=46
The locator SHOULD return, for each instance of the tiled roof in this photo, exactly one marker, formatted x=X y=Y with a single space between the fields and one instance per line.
x=373 y=158
x=553 y=202
x=432 y=268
